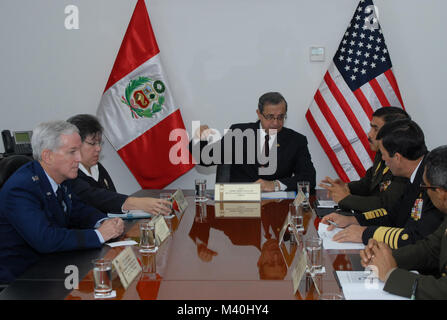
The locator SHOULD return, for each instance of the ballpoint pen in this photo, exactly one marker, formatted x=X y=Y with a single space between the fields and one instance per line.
x=413 y=290
x=332 y=223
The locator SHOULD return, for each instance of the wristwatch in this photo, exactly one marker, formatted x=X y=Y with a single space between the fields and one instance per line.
x=276 y=182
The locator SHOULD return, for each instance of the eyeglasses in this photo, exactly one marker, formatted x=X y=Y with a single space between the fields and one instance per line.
x=96 y=143
x=271 y=117
x=424 y=186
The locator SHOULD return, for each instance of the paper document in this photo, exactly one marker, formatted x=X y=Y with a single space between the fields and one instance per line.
x=133 y=214
x=329 y=244
x=122 y=243
x=326 y=204
x=364 y=285
x=278 y=195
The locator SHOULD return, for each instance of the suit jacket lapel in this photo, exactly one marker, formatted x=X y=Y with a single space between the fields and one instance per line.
x=54 y=208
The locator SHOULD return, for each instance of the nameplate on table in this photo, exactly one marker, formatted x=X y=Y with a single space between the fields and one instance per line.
x=179 y=198
x=237 y=209
x=127 y=267
x=161 y=229
x=299 y=270
x=300 y=197
x=285 y=226
x=237 y=192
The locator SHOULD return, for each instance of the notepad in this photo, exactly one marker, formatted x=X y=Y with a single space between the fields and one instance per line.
x=364 y=285
x=122 y=243
x=330 y=244
x=132 y=214
x=326 y=204
x=278 y=195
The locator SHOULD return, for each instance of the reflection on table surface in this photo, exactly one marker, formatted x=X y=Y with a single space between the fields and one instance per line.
x=226 y=256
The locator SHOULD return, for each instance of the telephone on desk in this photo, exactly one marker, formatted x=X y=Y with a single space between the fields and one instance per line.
x=17 y=143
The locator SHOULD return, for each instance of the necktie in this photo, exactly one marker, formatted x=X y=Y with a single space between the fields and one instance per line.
x=266 y=145
x=60 y=198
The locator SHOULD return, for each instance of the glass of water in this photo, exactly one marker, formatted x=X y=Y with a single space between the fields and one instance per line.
x=304 y=186
x=200 y=187
x=147 y=238
x=102 y=274
x=315 y=255
x=296 y=217
x=168 y=197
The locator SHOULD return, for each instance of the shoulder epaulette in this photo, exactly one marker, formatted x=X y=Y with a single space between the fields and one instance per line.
x=377 y=169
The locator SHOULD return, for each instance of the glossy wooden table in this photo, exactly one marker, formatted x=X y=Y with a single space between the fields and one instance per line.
x=208 y=257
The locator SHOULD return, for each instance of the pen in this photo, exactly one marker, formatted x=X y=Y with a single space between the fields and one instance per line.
x=333 y=223
x=413 y=290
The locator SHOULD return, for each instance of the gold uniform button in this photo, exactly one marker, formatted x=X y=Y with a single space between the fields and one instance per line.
x=443 y=274
x=405 y=236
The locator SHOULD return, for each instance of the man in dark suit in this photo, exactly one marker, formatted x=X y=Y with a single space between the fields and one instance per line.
x=403 y=149
x=379 y=188
x=94 y=185
x=38 y=211
x=428 y=256
x=263 y=152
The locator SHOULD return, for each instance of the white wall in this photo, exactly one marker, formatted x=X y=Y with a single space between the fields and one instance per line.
x=220 y=56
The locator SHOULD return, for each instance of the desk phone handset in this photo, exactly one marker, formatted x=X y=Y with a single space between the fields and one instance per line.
x=17 y=143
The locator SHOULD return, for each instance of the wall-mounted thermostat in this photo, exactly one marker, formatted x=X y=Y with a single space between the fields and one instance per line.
x=316 y=53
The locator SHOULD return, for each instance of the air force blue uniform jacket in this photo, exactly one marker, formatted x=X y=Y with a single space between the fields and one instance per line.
x=32 y=221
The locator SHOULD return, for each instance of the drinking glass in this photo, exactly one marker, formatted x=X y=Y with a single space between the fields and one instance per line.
x=200 y=187
x=147 y=238
x=102 y=274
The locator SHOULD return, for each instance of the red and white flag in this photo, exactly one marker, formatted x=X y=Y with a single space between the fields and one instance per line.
x=138 y=111
x=359 y=81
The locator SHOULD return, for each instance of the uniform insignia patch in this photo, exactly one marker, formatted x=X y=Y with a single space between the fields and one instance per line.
x=384 y=185
x=416 y=211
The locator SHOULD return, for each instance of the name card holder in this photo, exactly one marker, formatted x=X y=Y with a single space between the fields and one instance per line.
x=237 y=192
x=127 y=266
x=179 y=198
x=161 y=229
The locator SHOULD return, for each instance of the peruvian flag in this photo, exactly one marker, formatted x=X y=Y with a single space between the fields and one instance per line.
x=138 y=113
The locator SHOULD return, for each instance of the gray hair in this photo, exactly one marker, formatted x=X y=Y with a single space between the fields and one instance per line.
x=47 y=136
x=436 y=167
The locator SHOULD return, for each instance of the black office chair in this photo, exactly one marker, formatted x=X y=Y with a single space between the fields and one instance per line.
x=10 y=164
x=223 y=173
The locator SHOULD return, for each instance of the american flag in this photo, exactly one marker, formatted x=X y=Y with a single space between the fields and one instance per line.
x=359 y=81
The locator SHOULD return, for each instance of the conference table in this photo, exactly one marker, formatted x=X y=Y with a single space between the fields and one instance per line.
x=207 y=256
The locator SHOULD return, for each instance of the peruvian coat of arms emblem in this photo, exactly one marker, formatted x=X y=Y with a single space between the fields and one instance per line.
x=144 y=97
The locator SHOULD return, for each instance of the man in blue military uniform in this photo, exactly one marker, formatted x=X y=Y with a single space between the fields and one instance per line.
x=38 y=211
